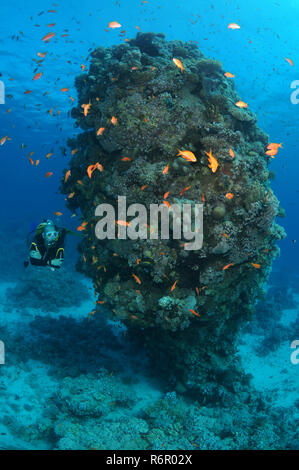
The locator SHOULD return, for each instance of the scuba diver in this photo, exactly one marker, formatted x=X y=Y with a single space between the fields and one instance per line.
x=47 y=246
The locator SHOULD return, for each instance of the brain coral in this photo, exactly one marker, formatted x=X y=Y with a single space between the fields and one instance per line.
x=160 y=109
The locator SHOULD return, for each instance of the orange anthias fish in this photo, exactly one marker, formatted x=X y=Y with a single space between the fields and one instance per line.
x=187 y=155
x=114 y=24
x=114 y=120
x=213 y=163
x=165 y=171
x=227 y=266
x=92 y=168
x=194 y=313
x=3 y=140
x=122 y=223
x=67 y=175
x=48 y=36
x=100 y=130
x=183 y=190
x=136 y=278
x=241 y=104
x=229 y=195
x=234 y=26
x=37 y=76
x=59 y=214
x=274 y=145
x=272 y=152
x=86 y=108
x=255 y=265
x=229 y=75
x=64 y=90
x=173 y=286
x=231 y=153
x=50 y=173
x=289 y=61
x=179 y=64
x=82 y=226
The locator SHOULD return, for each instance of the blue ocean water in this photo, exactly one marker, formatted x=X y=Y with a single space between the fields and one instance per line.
x=66 y=376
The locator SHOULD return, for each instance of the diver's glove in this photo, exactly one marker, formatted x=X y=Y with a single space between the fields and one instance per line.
x=35 y=254
x=57 y=262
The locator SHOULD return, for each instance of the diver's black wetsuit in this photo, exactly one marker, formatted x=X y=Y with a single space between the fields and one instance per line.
x=55 y=251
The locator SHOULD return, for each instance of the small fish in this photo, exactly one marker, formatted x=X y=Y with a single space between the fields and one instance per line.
x=179 y=64
x=272 y=152
x=50 y=173
x=86 y=108
x=126 y=159
x=231 y=153
x=122 y=223
x=187 y=155
x=194 y=313
x=49 y=155
x=234 y=26
x=136 y=278
x=70 y=197
x=289 y=61
x=229 y=195
x=229 y=75
x=67 y=175
x=59 y=214
x=42 y=54
x=48 y=36
x=255 y=265
x=173 y=286
x=100 y=130
x=143 y=187
x=114 y=24
x=227 y=266
x=37 y=76
x=183 y=190
x=274 y=145
x=165 y=171
x=213 y=163
x=64 y=90
x=3 y=140
x=82 y=227
x=114 y=120
x=241 y=104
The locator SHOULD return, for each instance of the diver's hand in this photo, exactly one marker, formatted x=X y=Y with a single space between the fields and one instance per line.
x=56 y=262
x=35 y=254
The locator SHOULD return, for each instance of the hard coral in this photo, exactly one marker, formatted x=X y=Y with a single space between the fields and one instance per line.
x=161 y=109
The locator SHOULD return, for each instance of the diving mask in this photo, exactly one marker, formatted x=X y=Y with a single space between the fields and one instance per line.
x=51 y=236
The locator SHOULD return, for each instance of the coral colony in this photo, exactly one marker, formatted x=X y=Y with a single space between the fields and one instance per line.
x=165 y=131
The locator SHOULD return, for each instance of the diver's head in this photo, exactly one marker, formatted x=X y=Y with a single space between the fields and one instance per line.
x=50 y=234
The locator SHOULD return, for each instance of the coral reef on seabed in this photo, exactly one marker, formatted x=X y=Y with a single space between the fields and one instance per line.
x=148 y=109
x=52 y=290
